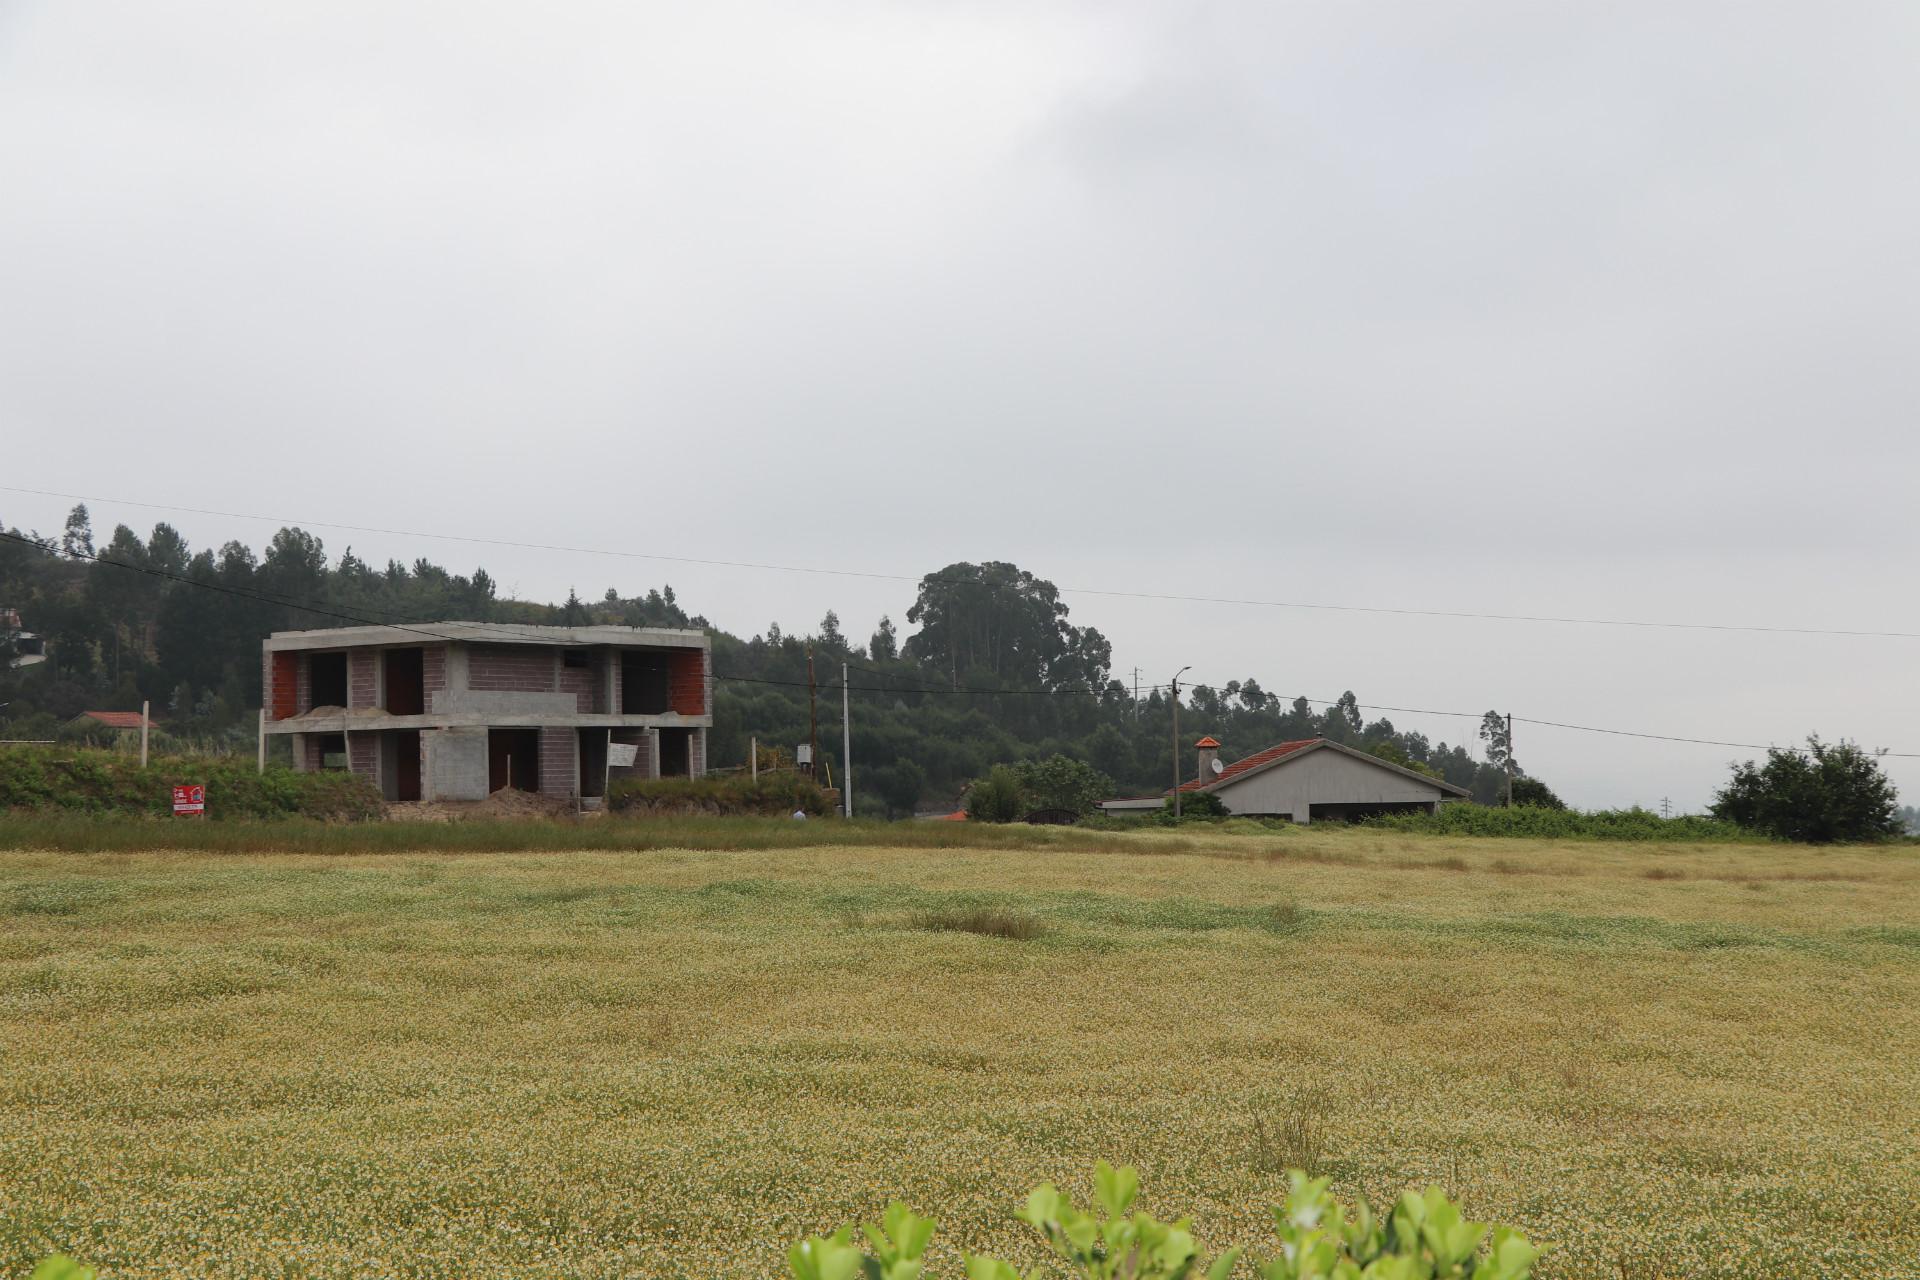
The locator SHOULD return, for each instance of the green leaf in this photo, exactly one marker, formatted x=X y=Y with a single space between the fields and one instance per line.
x=61 y=1267
x=1115 y=1188
x=1223 y=1265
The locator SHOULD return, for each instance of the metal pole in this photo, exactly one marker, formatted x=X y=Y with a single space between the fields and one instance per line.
x=145 y=719
x=1509 y=759
x=260 y=765
x=1176 y=740
x=753 y=757
x=846 y=742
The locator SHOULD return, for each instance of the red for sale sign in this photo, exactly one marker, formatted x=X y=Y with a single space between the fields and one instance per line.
x=191 y=799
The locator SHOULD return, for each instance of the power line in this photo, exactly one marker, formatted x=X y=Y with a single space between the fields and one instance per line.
x=1316 y=606
x=334 y=612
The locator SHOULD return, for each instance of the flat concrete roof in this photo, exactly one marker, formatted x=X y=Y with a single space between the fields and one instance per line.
x=489 y=633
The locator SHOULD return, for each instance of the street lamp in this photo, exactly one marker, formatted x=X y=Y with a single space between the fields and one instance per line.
x=1175 y=686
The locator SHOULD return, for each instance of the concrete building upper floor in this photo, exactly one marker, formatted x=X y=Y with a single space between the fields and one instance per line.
x=457 y=674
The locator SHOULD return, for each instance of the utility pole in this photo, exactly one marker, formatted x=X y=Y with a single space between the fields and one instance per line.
x=1136 y=694
x=813 y=722
x=846 y=743
x=146 y=720
x=1509 y=759
x=1176 y=740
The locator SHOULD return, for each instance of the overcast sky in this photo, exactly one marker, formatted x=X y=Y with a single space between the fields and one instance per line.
x=1491 y=307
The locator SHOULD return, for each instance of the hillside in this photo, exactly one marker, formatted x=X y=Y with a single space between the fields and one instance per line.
x=992 y=669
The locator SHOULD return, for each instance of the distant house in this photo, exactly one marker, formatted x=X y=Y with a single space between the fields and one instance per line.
x=28 y=648
x=1313 y=778
x=108 y=719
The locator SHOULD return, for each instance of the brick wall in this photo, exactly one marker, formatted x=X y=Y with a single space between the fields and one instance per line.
x=314 y=757
x=687 y=681
x=583 y=683
x=303 y=683
x=363 y=754
x=363 y=679
x=281 y=693
x=697 y=753
x=559 y=772
x=498 y=668
x=433 y=672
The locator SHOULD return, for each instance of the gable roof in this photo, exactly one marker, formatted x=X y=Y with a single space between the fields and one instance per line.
x=1208 y=741
x=113 y=719
x=1261 y=760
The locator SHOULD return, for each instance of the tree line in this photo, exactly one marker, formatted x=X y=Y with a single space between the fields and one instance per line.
x=992 y=669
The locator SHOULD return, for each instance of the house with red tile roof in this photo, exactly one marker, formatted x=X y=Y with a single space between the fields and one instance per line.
x=1312 y=779
x=108 y=719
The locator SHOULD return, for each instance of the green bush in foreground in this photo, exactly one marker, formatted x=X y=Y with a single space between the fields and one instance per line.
x=1530 y=822
x=92 y=782
x=1424 y=1238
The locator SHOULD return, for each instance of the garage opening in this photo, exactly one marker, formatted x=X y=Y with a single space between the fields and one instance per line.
x=406 y=681
x=645 y=683
x=327 y=679
x=676 y=753
x=513 y=759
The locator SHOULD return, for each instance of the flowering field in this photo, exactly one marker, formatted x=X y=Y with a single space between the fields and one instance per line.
x=1697 y=1061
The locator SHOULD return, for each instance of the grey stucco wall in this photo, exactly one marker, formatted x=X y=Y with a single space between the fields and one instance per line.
x=456 y=764
x=1322 y=776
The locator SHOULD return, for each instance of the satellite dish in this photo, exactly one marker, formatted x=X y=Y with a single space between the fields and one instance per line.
x=1217 y=766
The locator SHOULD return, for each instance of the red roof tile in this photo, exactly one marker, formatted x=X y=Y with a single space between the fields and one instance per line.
x=1253 y=761
x=958 y=815
x=115 y=719
x=1208 y=741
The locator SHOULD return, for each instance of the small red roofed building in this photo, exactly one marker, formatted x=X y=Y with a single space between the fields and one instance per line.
x=1304 y=781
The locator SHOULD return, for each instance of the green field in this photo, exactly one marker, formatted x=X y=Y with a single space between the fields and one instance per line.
x=1692 y=1061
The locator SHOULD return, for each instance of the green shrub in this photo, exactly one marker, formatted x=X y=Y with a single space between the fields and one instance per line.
x=1061 y=782
x=1423 y=1238
x=101 y=783
x=1530 y=822
x=771 y=794
x=1196 y=806
x=1826 y=793
x=998 y=797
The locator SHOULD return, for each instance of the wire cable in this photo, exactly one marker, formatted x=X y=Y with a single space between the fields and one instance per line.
x=1317 y=606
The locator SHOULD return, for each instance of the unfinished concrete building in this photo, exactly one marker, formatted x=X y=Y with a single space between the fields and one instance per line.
x=458 y=710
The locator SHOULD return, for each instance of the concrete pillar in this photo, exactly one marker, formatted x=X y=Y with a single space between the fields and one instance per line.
x=1303 y=814
x=299 y=753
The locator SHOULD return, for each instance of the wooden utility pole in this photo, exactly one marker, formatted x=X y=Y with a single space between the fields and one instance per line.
x=145 y=720
x=1509 y=759
x=1176 y=740
x=846 y=744
x=260 y=763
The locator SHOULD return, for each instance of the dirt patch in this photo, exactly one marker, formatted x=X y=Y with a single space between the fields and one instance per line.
x=504 y=803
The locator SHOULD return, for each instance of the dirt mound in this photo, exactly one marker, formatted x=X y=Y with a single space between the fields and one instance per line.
x=504 y=803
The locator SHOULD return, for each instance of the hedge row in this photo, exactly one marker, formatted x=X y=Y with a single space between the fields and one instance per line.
x=1527 y=821
x=769 y=794
x=83 y=780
